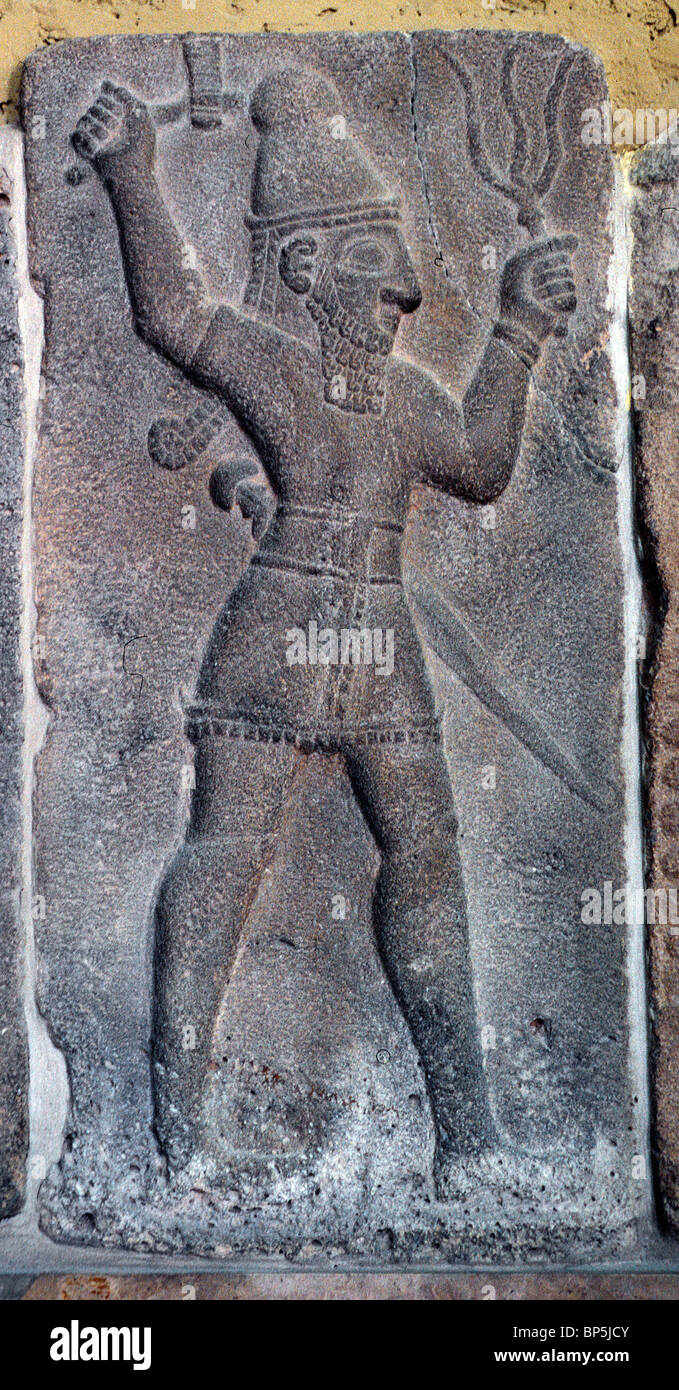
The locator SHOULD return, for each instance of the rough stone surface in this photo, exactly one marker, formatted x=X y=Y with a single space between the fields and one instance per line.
x=13 y=1057
x=488 y=1285
x=299 y=1013
x=654 y=325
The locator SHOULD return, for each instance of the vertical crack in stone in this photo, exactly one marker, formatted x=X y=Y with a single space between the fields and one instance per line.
x=421 y=158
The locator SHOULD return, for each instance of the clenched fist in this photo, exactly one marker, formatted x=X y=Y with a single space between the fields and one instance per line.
x=537 y=292
x=116 y=132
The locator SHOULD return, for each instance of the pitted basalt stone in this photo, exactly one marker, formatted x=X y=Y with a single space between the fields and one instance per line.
x=313 y=944
x=13 y=1049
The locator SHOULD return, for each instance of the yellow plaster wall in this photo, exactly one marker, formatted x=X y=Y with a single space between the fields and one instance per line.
x=637 y=39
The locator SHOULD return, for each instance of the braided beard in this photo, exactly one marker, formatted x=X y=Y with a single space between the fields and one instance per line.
x=353 y=352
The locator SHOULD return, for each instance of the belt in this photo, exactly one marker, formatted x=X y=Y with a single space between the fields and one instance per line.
x=332 y=541
x=329 y=735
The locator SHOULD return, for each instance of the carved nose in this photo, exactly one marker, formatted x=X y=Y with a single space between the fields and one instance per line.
x=407 y=295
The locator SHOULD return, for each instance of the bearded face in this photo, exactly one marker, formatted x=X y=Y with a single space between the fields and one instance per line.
x=363 y=284
x=353 y=350
x=357 y=281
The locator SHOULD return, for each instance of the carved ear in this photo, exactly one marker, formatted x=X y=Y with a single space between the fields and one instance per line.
x=296 y=263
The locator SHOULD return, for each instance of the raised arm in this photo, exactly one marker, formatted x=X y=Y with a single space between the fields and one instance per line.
x=171 y=307
x=470 y=448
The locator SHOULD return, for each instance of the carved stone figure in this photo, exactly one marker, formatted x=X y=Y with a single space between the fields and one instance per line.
x=344 y=427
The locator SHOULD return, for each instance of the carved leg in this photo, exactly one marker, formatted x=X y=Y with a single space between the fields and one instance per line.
x=421 y=929
x=202 y=907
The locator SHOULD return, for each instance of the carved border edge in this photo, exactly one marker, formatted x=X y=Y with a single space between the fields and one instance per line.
x=14 y=1136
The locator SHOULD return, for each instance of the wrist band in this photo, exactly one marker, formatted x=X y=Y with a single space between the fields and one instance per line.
x=519 y=342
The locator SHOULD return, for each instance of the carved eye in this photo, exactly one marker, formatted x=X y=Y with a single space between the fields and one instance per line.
x=367 y=256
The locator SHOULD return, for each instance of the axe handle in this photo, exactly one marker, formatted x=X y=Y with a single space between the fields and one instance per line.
x=166 y=112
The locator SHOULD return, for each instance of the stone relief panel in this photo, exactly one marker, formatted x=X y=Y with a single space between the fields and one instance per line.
x=331 y=606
